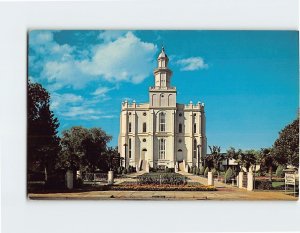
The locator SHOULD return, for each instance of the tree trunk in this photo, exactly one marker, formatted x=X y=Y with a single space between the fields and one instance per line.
x=270 y=173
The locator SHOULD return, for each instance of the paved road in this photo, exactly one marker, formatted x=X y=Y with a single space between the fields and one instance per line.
x=166 y=195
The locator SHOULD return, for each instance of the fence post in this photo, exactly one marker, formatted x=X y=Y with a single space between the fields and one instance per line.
x=250 y=181
x=69 y=179
x=241 y=176
x=210 y=178
x=110 y=177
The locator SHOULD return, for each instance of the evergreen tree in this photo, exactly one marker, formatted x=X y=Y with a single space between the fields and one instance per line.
x=43 y=142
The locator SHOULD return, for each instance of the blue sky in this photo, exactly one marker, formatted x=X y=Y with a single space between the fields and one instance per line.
x=248 y=80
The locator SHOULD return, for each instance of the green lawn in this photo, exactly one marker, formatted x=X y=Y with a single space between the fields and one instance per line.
x=276 y=184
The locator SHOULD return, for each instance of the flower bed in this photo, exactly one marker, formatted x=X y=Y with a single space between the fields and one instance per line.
x=161 y=178
x=163 y=187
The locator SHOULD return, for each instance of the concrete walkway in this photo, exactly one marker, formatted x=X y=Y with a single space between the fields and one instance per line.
x=204 y=181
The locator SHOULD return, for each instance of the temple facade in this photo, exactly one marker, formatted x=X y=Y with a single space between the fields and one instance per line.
x=162 y=133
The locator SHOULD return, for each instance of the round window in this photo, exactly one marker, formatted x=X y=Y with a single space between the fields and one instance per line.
x=180 y=114
x=144 y=114
x=144 y=140
x=179 y=140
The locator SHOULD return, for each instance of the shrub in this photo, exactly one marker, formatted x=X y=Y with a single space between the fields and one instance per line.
x=201 y=171
x=194 y=170
x=161 y=178
x=279 y=171
x=125 y=171
x=198 y=171
x=119 y=170
x=78 y=183
x=228 y=175
x=263 y=184
x=206 y=171
x=55 y=181
x=214 y=172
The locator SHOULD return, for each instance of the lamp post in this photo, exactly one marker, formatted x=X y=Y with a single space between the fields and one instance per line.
x=125 y=145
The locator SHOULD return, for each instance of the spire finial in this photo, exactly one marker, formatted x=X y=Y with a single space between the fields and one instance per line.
x=162 y=48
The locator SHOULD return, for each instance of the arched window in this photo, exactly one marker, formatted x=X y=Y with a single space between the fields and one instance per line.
x=195 y=128
x=129 y=127
x=162 y=148
x=195 y=148
x=162 y=122
x=144 y=127
x=129 y=147
x=180 y=128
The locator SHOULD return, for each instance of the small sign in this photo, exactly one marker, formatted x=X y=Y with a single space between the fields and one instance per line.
x=290 y=179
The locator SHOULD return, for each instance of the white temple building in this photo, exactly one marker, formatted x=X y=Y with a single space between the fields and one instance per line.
x=162 y=133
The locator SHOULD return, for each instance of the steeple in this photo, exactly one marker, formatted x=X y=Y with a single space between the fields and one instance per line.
x=162 y=73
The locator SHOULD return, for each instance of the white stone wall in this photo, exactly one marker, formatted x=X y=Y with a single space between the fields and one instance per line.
x=137 y=115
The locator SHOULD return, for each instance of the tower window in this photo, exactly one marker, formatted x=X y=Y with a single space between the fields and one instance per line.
x=144 y=127
x=195 y=148
x=129 y=147
x=129 y=127
x=162 y=122
x=195 y=128
x=180 y=128
x=162 y=149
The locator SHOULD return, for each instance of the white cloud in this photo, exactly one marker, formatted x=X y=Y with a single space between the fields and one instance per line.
x=62 y=101
x=76 y=107
x=40 y=37
x=82 y=112
x=192 y=63
x=110 y=35
x=125 y=59
x=122 y=57
x=101 y=91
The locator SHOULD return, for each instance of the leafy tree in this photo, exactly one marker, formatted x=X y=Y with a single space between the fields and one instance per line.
x=84 y=149
x=286 y=147
x=247 y=158
x=279 y=171
x=232 y=153
x=215 y=157
x=43 y=142
x=111 y=158
x=267 y=160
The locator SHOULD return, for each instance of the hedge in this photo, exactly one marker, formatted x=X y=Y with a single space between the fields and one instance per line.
x=161 y=178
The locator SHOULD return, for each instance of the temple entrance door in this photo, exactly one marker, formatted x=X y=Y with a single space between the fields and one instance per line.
x=179 y=156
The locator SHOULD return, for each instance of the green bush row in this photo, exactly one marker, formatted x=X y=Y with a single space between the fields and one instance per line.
x=161 y=178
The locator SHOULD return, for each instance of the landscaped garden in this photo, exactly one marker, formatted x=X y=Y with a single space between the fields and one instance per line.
x=161 y=181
